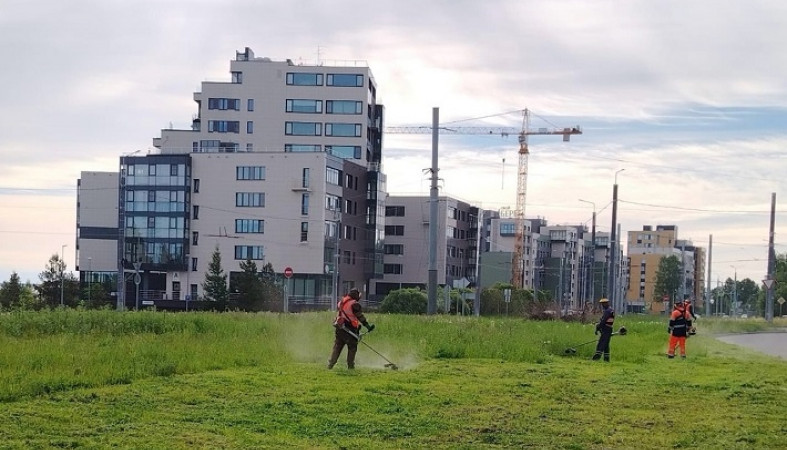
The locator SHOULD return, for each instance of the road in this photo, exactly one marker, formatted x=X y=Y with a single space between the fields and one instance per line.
x=769 y=343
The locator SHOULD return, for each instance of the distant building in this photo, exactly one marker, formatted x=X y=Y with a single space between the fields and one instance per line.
x=281 y=165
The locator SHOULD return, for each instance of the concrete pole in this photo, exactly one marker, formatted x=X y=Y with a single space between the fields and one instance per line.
x=431 y=305
x=771 y=263
x=613 y=241
x=477 y=299
x=710 y=260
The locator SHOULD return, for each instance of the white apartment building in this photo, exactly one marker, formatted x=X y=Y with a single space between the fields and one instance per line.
x=281 y=166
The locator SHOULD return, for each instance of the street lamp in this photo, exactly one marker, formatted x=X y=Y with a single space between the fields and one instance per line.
x=592 y=252
x=89 y=276
x=734 y=291
x=62 y=264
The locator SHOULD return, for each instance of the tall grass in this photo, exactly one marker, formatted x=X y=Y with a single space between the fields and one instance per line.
x=49 y=351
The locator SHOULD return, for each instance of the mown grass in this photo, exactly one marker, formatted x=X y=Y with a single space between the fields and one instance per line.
x=200 y=380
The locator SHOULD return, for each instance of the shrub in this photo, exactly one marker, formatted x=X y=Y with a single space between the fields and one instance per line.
x=405 y=301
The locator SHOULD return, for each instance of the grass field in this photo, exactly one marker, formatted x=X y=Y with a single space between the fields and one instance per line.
x=101 y=379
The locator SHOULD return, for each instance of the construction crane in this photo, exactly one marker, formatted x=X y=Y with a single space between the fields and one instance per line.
x=517 y=259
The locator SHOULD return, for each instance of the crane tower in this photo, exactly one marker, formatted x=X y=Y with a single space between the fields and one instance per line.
x=517 y=259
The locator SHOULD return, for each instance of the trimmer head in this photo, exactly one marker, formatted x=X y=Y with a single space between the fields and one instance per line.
x=392 y=366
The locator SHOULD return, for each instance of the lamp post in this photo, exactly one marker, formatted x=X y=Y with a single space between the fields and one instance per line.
x=612 y=287
x=62 y=265
x=592 y=252
x=89 y=276
x=734 y=292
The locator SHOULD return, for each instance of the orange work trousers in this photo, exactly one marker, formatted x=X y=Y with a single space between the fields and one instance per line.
x=677 y=341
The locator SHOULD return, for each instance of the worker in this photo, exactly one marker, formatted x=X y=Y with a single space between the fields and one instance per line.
x=604 y=328
x=349 y=318
x=679 y=325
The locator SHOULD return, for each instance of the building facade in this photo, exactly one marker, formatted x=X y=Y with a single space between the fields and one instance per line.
x=281 y=165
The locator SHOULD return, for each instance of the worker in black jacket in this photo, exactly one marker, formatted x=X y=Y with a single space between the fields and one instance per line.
x=604 y=328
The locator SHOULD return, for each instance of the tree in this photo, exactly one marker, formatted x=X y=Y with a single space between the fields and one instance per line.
x=215 y=285
x=780 y=290
x=747 y=296
x=10 y=291
x=271 y=292
x=248 y=287
x=667 y=278
x=55 y=282
x=49 y=289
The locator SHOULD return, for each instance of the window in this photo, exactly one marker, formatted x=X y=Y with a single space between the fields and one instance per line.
x=302 y=148
x=224 y=103
x=303 y=106
x=346 y=257
x=507 y=228
x=332 y=176
x=343 y=129
x=195 y=212
x=196 y=185
x=344 y=151
x=304 y=231
x=250 y=104
x=193 y=264
x=194 y=238
x=304 y=79
x=243 y=252
x=450 y=232
x=305 y=177
x=394 y=211
x=303 y=128
x=237 y=77
x=393 y=249
x=343 y=107
x=394 y=230
x=250 y=172
x=223 y=126
x=344 y=80
x=305 y=203
x=392 y=269
x=332 y=202
x=250 y=199
x=249 y=226
x=249 y=147
x=249 y=127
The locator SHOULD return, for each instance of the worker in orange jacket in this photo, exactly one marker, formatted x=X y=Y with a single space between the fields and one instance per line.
x=679 y=326
x=349 y=318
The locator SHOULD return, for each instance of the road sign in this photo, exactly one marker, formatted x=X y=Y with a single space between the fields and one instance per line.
x=665 y=298
x=768 y=283
x=137 y=279
x=288 y=272
x=781 y=300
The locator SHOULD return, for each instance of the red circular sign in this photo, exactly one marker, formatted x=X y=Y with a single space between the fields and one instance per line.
x=288 y=272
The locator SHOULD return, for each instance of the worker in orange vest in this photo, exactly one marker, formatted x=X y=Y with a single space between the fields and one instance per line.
x=349 y=318
x=679 y=326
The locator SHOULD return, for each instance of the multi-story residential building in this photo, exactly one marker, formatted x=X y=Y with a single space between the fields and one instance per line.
x=406 y=262
x=281 y=166
x=646 y=248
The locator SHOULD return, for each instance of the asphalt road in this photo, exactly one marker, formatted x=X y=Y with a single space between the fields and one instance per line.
x=769 y=343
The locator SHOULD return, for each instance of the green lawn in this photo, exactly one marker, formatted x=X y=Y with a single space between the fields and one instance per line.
x=200 y=380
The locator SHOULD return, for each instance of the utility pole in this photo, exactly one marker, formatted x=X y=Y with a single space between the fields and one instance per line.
x=62 y=266
x=683 y=270
x=592 y=252
x=477 y=299
x=431 y=305
x=611 y=286
x=336 y=257
x=710 y=260
x=771 y=277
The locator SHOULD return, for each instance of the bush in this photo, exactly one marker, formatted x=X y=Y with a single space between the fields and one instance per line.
x=405 y=301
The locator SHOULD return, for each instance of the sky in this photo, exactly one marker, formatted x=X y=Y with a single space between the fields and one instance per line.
x=684 y=104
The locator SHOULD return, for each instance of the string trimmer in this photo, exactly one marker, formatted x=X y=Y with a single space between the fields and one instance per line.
x=571 y=350
x=359 y=337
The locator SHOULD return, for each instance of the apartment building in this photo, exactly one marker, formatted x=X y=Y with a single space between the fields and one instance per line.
x=281 y=165
x=646 y=248
x=406 y=249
